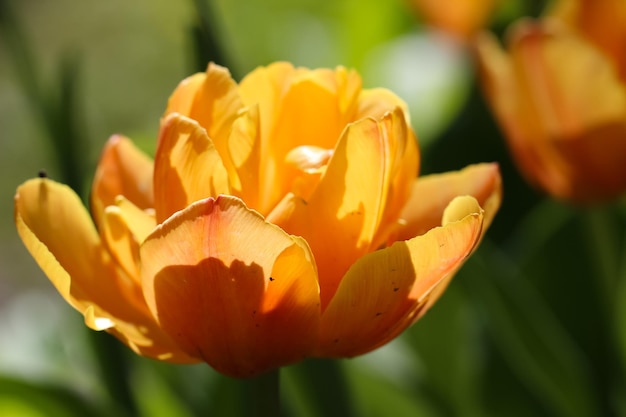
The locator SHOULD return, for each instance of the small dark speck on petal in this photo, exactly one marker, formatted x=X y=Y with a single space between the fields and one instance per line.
x=379 y=314
x=42 y=173
x=272 y=278
x=396 y=289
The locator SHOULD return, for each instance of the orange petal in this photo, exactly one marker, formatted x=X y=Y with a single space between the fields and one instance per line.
x=376 y=102
x=461 y=18
x=244 y=147
x=59 y=234
x=292 y=108
x=122 y=170
x=124 y=227
x=351 y=198
x=230 y=288
x=139 y=222
x=187 y=167
x=386 y=291
x=431 y=194
x=184 y=96
x=541 y=96
x=121 y=243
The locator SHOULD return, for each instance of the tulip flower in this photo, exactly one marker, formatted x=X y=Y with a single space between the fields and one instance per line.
x=280 y=219
x=460 y=18
x=561 y=101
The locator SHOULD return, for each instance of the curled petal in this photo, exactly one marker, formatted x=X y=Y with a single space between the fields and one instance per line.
x=58 y=232
x=187 y=168
x=122 y=170
x=431 y=194
x=386 y=291
x=230 y=288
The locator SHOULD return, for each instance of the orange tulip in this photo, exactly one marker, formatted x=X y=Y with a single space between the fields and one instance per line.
x=460 y=18
x=561 y=101
x=280 y=219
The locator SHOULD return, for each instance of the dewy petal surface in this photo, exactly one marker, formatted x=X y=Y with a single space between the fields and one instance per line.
x=58 y=232
x=122 y=170
x=188 y=167
x=232 y=289
x=386 y=291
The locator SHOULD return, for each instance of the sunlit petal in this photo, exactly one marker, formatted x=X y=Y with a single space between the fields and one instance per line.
x=230 y=288
x=386 y=291
x=187 y=167
x=122 y=170
x=349 y=200
x=58 y=232
x=431 y=194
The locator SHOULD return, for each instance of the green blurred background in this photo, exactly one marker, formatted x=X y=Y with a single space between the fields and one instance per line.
x=533 y=325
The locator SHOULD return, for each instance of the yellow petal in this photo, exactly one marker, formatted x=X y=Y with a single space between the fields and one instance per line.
x=244 y=147
x=58 y=232
x=121 y=244
x=386 y=291
x=122 y=170
x=431 y=194
x=351 y=198
x=299 y=108
x=187 y=167
x=230 y=288
x=184 y=96
x=139 y=222
x=376 y=102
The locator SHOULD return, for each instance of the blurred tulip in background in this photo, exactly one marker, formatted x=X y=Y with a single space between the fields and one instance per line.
x=559 y=93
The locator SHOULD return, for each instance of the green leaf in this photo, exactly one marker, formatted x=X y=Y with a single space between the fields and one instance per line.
x=29 y=399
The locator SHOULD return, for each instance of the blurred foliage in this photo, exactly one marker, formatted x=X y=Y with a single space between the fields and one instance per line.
x=533 y=325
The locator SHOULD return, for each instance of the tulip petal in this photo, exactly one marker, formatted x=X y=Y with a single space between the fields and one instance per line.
x=187 y=168
x=375 y=102
x=350 y=200
x=58 y=232
x=386 y=291
x=121 y=243
x=139 y=222
x=244 y=148
x=184 y=96
x=431 y=194
x=122 y=170
x=216 y=105
x=230 y=288
x=291 y=110
x=543 y=105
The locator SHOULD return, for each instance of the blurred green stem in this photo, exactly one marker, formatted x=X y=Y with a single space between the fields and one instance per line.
x=207 y=46
x=265 y=393
x=605 y=233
